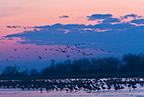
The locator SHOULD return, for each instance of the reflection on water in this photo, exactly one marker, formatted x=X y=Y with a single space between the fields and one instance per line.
x=109 y=93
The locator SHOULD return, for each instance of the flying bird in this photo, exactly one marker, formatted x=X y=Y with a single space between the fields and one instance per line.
x=15 y=49
x=27 y=48
x=68 y=56
x=40 y=57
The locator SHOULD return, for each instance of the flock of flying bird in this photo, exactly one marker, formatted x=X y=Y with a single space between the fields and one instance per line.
x=67 y=50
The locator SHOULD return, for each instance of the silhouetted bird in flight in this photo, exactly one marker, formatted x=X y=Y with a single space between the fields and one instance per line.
x=15 y=49
x=27 y=48
x=40 y=57
x=109 y=51
x=52 y=60
x=68 y=56
x=7 y=59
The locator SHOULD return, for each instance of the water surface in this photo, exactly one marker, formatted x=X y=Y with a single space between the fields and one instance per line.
x=139 y=92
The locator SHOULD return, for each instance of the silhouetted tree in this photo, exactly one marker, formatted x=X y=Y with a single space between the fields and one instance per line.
x=129 y=63
x=133 y=63
x=34 y=72
x=11 y=71
x=25 y=72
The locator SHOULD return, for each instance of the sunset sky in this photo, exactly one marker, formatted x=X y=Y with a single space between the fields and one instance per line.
x=34 y=32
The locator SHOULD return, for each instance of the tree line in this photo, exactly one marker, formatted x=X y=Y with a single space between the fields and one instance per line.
x=129 y=63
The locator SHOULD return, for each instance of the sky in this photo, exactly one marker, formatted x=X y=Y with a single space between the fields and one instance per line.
x=34 y=32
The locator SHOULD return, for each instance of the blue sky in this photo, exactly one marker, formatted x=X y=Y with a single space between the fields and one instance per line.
x=46 y=28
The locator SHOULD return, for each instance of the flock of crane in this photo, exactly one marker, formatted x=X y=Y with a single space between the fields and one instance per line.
x=67 y=50
x=73 y=84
